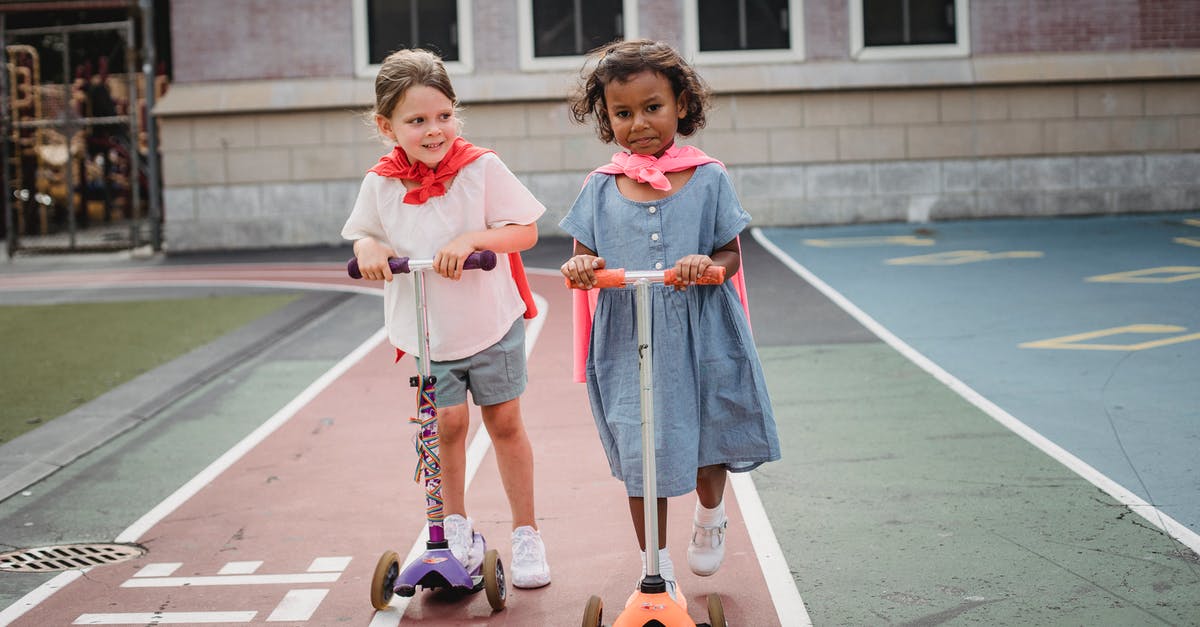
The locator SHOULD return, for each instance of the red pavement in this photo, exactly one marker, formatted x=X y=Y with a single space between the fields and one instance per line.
x=334 y=481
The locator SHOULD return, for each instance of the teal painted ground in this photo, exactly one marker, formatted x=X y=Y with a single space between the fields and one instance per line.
x=1134 y=415
x=897 y=502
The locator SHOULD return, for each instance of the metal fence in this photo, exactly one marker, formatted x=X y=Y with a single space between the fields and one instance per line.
x=79 y=149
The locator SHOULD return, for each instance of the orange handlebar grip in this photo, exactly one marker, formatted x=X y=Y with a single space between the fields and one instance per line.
x=610 y=278
x=713 y=275
x=604 y=279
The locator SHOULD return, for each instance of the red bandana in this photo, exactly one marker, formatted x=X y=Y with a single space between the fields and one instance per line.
x=433 y=183
x=395 y=164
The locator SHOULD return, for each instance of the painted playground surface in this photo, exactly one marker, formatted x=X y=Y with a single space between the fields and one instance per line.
x=982 y=423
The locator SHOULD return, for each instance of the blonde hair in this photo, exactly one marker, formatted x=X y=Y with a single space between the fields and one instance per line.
x=404 y=69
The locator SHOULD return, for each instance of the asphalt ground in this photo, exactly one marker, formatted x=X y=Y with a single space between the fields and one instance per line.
x=903 y=496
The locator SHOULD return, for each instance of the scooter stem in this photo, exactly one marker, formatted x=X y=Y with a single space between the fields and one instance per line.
x=649 y=467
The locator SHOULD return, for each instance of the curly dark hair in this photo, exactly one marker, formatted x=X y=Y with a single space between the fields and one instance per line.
x=620 y=61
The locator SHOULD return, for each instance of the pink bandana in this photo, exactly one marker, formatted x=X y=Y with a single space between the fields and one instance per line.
x=652 y=170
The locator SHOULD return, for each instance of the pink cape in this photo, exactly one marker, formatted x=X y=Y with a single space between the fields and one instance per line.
x=644 y=169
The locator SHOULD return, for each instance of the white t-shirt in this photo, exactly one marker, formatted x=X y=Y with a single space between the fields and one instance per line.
x=468 y=315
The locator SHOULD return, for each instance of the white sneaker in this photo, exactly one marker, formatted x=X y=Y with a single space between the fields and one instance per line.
x=529 y=566
x=460 y=533
x=707 y=548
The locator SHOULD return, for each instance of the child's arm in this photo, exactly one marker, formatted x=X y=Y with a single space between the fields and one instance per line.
x=372 y=258
x=509 y=238
x=692 y=267
x=581 y=268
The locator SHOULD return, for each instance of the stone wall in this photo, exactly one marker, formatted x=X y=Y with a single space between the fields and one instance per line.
x=250 y=179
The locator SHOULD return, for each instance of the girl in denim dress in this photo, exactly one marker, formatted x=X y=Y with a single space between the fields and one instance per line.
x=661 y=205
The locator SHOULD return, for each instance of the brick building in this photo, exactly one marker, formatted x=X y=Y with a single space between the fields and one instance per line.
x=826 y=111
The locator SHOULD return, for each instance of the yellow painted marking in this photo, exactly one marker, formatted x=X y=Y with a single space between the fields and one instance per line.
x=1080 y=340
x=955 y=257
x=882 y=240
x=1188 y=241
x=1191 y=221
x=1170 y=274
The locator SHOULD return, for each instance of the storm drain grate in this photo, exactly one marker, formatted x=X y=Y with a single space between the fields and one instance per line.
x=66 y=557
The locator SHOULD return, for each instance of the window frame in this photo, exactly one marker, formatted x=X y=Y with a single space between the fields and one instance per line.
x=529 y=63
x=859 y=51
x=363 y=68
x=795 y=53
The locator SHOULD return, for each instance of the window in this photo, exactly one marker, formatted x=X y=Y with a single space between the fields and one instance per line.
x=557 y=33
x=744 y=30
x=384 y=26
x=564 y=29
x=908 y=28
x=743 y=24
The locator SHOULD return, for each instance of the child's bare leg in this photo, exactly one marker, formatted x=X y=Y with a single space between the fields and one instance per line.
x=639 y=521
x=453 y=424
x=710 y=485
x=514 y=457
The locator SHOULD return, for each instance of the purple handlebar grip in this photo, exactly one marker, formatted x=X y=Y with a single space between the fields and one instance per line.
x=480 y=260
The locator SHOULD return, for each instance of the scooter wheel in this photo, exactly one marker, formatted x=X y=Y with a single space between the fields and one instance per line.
x=493 y=580
x=594 y=612
x=384 y=580
x=716 y=612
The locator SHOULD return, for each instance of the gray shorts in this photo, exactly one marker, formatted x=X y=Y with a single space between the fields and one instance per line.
x=493 y=375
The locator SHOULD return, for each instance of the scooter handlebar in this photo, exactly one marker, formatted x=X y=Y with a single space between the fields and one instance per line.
x=478 y=260
x=713 y=275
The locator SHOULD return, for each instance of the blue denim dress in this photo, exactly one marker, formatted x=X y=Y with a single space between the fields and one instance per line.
x=710 y=398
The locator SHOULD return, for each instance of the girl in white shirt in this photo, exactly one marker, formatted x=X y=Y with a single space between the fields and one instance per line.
x=435 y=195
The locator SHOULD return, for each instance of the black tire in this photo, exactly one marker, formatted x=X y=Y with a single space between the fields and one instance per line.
x=384 y=580
x=493 y=580
x=716 y=612
x=594 y=612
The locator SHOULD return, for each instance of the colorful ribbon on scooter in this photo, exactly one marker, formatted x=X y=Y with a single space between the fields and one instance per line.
x=426 y=441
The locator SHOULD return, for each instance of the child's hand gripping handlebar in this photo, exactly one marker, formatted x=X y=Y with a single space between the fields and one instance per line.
x=479 y=260
x=713 y=275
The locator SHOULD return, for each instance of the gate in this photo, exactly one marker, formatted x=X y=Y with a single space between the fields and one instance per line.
x=78 y=152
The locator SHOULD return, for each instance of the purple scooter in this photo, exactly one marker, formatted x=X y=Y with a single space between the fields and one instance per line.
x=436 y=567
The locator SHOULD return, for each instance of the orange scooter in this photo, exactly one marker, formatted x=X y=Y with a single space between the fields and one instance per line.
x=650 y=605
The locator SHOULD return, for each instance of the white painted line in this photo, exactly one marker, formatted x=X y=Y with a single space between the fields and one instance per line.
x=1159 y=519
x=475 y=454
x=297 y=605
x=39 y=594
x=183 y=282
x=789 y=607
x=231 y=568
x=389 y=617
x=161 y=569
x=230 y=580
x=164 y=618
x=206 y=476
x=329 y=564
